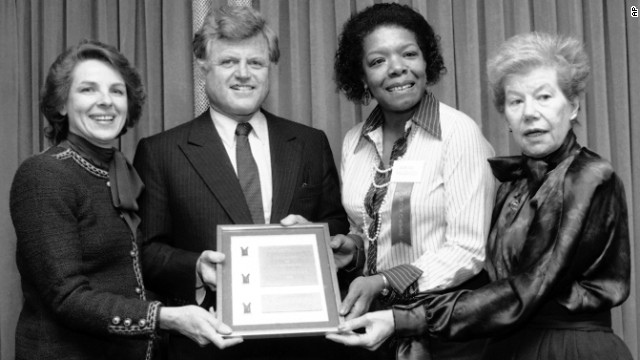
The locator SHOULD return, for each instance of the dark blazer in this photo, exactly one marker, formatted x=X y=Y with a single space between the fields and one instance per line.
x=191 y=187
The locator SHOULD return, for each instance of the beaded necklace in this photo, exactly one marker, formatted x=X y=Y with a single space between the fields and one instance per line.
x=374 y=170
x=365 y=228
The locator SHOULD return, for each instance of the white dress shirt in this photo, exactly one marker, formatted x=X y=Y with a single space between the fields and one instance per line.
x=259 y=142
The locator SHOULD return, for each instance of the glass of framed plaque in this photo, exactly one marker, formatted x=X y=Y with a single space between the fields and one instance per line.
x=277 y=281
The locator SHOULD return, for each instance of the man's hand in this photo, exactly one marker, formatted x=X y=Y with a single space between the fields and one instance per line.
x=206 y=267
x=293 y=219
x=362 y=291
x=198 y=325
x=344 y=250
x=379 y=326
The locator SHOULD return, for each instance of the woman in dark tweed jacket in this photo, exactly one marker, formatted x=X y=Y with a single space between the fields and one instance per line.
x=74 y=211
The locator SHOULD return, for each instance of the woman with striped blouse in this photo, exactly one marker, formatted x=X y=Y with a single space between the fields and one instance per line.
x=416 y=182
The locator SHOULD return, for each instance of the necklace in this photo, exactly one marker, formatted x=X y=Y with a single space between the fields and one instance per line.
x=375 y=169
x=382 y=171
x=365 y=228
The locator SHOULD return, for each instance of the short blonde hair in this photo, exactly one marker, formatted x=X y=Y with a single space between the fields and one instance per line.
x=524 y=52
x=234 y=23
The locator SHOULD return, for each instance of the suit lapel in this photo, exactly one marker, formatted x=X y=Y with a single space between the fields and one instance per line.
x=286 y=160
x=207 y=155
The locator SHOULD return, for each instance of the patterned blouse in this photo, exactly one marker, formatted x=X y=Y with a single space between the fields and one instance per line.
x=449 y=208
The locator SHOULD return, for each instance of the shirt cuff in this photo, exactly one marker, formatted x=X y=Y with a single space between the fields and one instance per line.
x=409 y=321
x=402 y=276
x=201 y=292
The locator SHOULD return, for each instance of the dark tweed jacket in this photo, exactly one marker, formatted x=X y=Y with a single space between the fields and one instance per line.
x=79 y=263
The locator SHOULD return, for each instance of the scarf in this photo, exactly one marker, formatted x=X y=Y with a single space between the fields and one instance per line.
x=509 y=168
x=125 y=184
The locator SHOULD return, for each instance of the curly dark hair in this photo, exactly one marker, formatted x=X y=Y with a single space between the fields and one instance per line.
x=348 y=67
x=55 y=91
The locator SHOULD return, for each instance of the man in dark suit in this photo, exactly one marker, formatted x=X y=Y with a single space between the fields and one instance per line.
x=196 y=178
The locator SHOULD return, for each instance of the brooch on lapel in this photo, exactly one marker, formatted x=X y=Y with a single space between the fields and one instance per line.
x=515 y=203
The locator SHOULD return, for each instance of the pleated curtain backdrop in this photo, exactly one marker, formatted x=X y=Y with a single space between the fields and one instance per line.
x=156 y=36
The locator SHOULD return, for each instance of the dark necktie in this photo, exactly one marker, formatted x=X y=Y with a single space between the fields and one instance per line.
x=248 y=173
x=375 y=196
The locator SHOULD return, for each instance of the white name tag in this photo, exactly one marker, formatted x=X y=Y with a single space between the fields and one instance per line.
x=407 y=171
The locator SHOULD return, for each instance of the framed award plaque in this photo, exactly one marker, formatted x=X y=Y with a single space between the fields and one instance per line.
x=277 y=281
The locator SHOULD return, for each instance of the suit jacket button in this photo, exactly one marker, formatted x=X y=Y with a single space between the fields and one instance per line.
x=138 y=290
x=132 y=253
x=115 y=320
x=142 y=323
x=127 y=322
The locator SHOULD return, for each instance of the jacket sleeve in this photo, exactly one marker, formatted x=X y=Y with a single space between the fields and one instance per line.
x=602 y=270
x=585 y=267
x=330 y=207
x=167 y=270
x=50 y=257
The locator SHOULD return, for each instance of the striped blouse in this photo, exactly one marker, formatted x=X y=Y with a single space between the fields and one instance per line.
x=450 y=206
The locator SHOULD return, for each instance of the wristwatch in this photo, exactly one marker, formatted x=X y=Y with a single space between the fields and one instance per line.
x=385 y=289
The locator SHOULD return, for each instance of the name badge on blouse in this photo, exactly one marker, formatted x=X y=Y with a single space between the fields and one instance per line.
x=407 y=171
x=405 y=174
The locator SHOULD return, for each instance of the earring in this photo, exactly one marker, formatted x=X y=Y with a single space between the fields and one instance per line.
x=366 y=99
